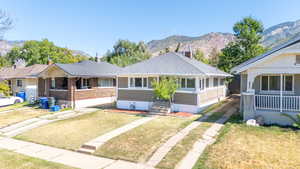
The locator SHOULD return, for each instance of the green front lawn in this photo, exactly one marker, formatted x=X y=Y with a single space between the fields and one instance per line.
x=246 y=147
x=72 y=133
x=12 y=160
x=140 y=143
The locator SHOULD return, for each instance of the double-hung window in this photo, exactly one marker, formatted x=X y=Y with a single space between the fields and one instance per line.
x=272 y=83
x=207 y=83
x=138 y=82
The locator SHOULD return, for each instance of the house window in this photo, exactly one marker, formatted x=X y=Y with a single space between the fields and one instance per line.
x=201 y=84
x=297 y=59
x=52 y=83
x=187 y=83
x=85 y=83
x=272 y=83
x=222 y=82
x=216 y=82
x=65 y=83
x=207 y=83
x=19 y=83
x=105 y=83
x=138 y=82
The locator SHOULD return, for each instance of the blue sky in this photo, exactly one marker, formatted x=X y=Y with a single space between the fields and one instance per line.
x=95 y=25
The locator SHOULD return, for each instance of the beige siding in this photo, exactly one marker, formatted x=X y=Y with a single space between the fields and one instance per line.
x=211 y=94
x=136 y=95
x=122 y=82
x=185 y=98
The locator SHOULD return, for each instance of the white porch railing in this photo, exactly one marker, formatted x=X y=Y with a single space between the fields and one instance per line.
x=275 y=102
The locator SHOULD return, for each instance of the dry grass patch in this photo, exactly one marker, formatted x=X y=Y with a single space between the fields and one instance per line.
x=12 y=160
x=72 y=133
x=16 y=116
x=138 y=144
x=14 y=106
x=182 y=148
x=244 y=147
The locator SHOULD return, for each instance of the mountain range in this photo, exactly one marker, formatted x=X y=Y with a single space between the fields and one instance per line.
x=272 y=36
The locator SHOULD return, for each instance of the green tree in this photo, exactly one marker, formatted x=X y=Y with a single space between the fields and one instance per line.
x=178 y=47
x=247 y=45
x=40 y=52
x=4 y=88
x=126 y=53
x=199 y=55
x=165 y=88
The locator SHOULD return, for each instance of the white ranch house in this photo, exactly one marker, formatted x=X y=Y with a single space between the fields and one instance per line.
x=270 y=84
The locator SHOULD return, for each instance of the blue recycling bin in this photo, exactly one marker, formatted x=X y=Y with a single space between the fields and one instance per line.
x=44 y=103
x=21 y=95
x=55 y=108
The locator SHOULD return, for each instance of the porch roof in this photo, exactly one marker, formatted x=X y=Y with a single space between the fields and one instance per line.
x=172 y=64
x=249 y=62
x=89 y=68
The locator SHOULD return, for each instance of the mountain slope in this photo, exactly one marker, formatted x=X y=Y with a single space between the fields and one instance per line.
x=205 y=43
x=272 y=36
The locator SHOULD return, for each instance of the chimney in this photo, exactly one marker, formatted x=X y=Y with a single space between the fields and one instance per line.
x=49 y=62
x=189 y=53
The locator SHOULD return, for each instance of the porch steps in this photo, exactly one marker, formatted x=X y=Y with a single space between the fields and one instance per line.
x=160 y=108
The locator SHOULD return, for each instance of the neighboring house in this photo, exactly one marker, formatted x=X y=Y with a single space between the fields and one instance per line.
x=200 y=84
x=21 y=78
x=270 y=84
x=82 y=84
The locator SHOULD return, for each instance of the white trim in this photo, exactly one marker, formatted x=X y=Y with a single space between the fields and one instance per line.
x=94 y=102
x=142 y=87
x=276 y=91
x=58 y=89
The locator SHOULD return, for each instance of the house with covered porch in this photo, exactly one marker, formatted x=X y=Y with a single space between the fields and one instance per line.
x=200 y=84
x=270 y=84
x=81 y=84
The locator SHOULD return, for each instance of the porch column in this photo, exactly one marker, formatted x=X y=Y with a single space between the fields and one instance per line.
x=71 y=89
x=281 y=88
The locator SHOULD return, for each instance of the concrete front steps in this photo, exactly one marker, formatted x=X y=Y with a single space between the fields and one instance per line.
x=160 y=108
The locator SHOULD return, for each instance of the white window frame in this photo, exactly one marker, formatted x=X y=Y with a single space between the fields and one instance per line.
x=110 y=79
x=143 y=85
x=202 y=83
x=186 y=78
x=52 y=85
x=17 y=84
x=283 y=81
x=82 y=85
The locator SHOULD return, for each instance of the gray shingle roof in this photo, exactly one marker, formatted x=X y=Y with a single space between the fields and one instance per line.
x=275 y=49
x=90 y=68
x=171 y=64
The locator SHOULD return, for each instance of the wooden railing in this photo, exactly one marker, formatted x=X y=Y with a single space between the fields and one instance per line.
x=277 y=103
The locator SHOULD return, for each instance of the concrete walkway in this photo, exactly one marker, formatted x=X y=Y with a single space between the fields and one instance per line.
x=65 y=157
x=162 y=151
x=93 y=145
x=17 y=128
x=207 y=138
